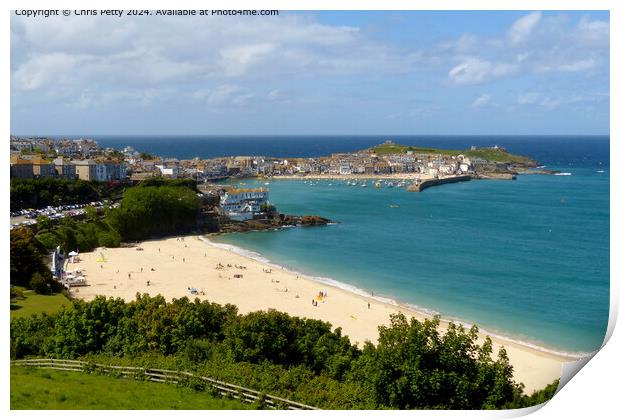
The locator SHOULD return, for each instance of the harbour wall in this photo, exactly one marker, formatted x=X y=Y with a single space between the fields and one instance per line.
x=438 y=181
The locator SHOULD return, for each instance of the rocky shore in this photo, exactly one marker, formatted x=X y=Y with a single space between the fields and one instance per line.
x=274 y=222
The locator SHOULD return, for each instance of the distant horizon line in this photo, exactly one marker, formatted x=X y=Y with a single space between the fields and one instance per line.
x=304 y=135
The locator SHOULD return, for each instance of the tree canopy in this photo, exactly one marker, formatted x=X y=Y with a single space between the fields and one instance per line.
x=155 y=210
x=413 y=365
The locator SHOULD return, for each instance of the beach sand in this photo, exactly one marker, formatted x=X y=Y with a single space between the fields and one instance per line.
x=173 y=265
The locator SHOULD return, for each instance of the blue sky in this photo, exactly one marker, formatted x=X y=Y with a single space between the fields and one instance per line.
x=329 y=72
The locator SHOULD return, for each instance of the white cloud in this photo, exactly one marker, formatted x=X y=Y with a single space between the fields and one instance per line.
x=147 y=52
x=474 y=71
x=223 y=94
x=274 y=95
x=44 y=69
x=592 y=32
x=237 y=60
x=523 y=27
x=528 y=98
x=537 y=99
x=481 y=101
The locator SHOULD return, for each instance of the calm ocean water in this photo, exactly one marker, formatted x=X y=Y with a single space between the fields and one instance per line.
x=528 y=259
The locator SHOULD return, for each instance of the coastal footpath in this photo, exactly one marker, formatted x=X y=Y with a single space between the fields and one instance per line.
x=193 y=267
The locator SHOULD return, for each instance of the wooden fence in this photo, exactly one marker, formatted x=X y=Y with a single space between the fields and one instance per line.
x=170 y=376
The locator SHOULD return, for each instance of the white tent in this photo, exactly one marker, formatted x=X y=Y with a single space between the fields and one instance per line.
x=73 y=254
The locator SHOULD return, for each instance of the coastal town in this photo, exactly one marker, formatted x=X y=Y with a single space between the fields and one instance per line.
x=386 y=165
x=85 y=159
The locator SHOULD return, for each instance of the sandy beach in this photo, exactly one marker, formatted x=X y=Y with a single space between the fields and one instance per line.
x=171 y=267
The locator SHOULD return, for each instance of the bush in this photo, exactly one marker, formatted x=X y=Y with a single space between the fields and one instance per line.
x=39 y=285
x=412 y=366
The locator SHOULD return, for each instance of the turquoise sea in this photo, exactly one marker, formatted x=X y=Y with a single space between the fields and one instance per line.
x=528 y=259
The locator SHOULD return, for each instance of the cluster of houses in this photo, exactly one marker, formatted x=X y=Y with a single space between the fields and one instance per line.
x=242 y=204
x=85 y=159
x=354 y=164
x=66 y=159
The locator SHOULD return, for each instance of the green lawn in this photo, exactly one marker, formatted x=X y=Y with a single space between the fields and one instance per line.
x=37 y=304
x=46 y=389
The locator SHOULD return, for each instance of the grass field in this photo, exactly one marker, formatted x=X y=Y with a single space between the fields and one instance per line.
x=37 y=304
x=44 y=389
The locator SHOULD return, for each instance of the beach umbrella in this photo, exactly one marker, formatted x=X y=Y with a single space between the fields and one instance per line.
x=73 y=254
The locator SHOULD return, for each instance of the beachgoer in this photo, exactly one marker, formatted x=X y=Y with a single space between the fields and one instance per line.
x=368 y=305
x=148 y=283
x=141 y=269
x=158 y=249
x=128 y=275
x=114 y=286
x=183 y=259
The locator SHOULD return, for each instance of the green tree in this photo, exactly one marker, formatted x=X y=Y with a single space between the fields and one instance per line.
x=153 y=211
x=26 y=258
x=39 y=284
x=43 y=222
x=414 y=366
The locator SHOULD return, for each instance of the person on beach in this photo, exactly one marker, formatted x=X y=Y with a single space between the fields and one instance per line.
x=141 y=269
x=148 y=282
x=129 y=275
x=183 y=259
x=158 y=249
x=368 y=305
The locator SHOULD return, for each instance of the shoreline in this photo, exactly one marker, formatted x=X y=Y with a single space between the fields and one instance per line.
x=404 y=176
x=172 y=266
x=420 y=311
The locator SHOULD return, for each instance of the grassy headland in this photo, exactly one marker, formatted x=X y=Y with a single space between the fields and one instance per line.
x=488 y=153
